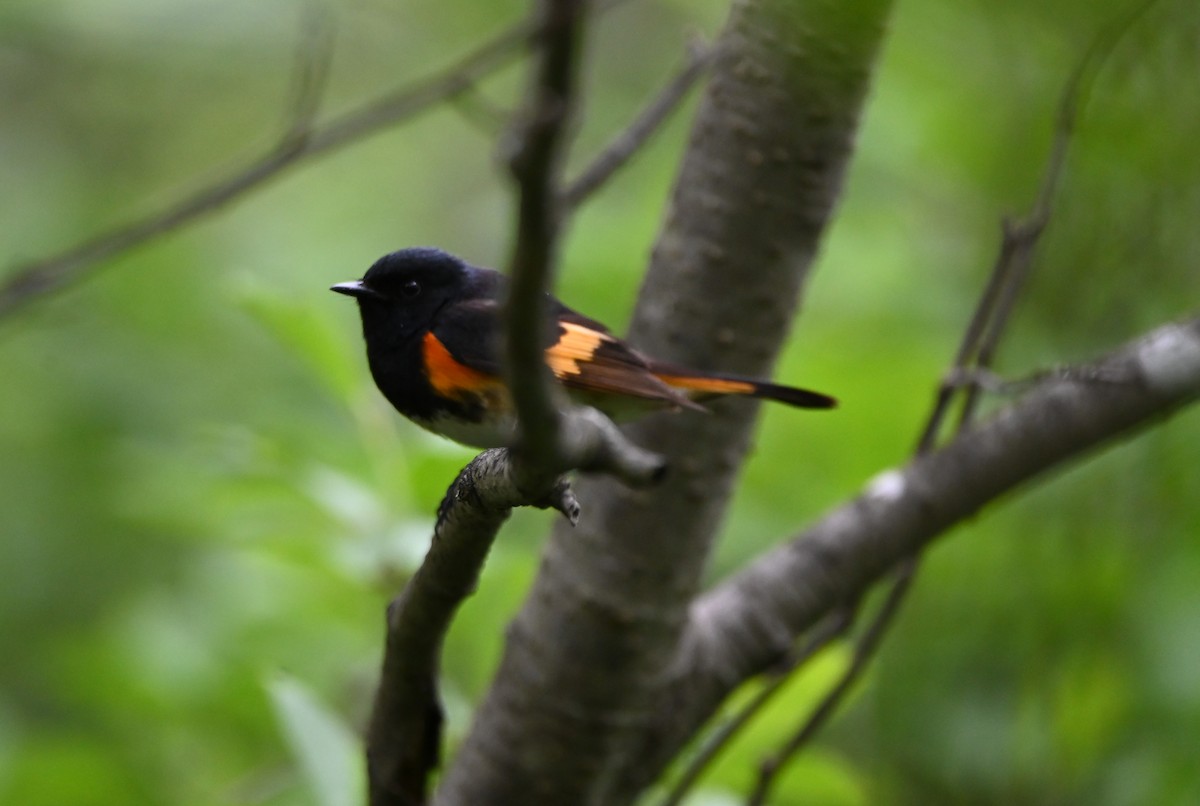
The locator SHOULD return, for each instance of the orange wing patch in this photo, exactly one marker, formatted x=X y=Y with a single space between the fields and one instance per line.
x=577 y=343
x=451 y=378
x=719 y=386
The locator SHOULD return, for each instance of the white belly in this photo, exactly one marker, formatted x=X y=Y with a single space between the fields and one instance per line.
x=492 y=433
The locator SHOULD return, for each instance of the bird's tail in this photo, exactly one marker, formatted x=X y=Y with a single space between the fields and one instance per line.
x=703 y=385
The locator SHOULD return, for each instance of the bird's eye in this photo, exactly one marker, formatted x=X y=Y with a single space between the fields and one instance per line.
x=410 y=289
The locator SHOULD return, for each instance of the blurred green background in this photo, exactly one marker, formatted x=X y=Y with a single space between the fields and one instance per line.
x=205 y=505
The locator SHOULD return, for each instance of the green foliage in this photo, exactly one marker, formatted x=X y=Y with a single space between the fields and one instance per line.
x=201 y=491
x=325 y=747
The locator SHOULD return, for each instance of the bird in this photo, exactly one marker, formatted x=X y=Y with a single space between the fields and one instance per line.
x=433 y=328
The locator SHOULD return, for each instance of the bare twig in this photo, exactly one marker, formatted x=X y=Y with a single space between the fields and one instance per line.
x=1019 y=238
x=536 y=164
x=833 y=627
x=482 y=113
x=974 y=355
x=864 y=651
x=628 y=142
x=314 y=56
x=593 y=444
x=29 y=281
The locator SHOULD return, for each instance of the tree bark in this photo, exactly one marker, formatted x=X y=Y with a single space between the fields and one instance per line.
x=589 y=662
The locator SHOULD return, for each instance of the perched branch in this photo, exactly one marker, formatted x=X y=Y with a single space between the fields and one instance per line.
x=627 y=143
x=536 y=164
x=30 y=281
x=593 y=444
x=742 y=627
x=404 y=739
x=403 y=743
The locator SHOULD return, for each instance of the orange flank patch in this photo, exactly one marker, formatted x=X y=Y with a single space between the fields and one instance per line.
x=577 y=343
x=448 y=376
x=717 y=386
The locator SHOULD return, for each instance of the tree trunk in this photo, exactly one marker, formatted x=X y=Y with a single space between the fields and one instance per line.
x=592 y=657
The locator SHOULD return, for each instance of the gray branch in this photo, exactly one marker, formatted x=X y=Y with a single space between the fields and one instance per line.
x=747 y=623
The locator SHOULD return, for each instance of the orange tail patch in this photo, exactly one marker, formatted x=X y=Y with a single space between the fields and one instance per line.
x=733 y=385
x=718 y=386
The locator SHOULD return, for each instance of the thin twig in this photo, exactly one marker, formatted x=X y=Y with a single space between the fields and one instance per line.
x=864 y=651
x=1020 y=238
x=29 y=281
x=975 y=352
x=626 y=144
x=536 y=165
x=314 y=57
x=482 y=113
x=832 y=628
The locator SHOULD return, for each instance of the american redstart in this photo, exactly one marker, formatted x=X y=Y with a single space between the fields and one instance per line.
x=432 y=324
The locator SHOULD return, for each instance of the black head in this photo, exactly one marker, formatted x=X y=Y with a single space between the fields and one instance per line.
x=399 y=295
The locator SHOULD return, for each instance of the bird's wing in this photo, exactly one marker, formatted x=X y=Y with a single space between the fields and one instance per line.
x=580 y=352
x=470 y=331
x=584 y=355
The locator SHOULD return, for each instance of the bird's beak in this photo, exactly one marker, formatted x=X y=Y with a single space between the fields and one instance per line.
x=355 y=288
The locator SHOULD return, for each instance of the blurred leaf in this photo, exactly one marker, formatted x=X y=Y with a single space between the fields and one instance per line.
x=713 y=797
x=1092 y=703
x=345 y=498
x=317 y=340
x=821 y=778
x=329 y=754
